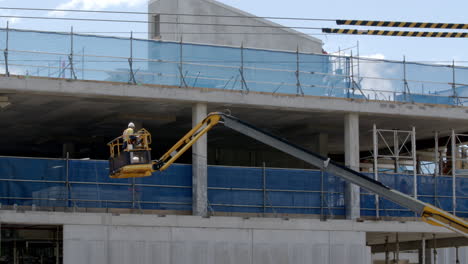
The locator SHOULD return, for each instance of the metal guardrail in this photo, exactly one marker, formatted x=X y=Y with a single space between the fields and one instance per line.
x=220 y=67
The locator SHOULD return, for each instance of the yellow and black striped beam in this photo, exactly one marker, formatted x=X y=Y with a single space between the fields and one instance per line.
x=373 y=23
x=420 y=34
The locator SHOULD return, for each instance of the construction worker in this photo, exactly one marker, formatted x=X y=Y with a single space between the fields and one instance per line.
x=128 y=136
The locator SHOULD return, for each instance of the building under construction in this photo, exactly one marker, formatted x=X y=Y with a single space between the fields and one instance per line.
x=401 y=125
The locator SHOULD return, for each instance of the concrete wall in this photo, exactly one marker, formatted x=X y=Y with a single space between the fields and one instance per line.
x=145 y=245
x=139 y=238
x=253 y=37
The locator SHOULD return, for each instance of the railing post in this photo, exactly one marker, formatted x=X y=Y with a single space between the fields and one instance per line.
x=322 y=194
x=133 y=193
x=264 y=187
x=67 y=178
x=351 y=73
x=454 y=176
x=5 y=53
x=299 y=90
x=436 y=163
x=456 y=100
x=358 y=64
x=241 y=71
x=70 y=57
x=405 y=81
x=130 y=61
x=181 y=60
x=415 y=162
x=376 y=169
x=82 y=64
x=242 y=65
x=181 y=65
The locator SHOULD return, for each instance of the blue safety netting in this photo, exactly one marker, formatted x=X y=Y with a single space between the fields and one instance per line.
x=433 y=190
x=268 y=190
x=86 y=184
x=103 y=58
x=45 y=182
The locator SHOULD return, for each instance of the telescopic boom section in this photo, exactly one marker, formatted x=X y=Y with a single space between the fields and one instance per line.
x=186 y=142
x=429 y=213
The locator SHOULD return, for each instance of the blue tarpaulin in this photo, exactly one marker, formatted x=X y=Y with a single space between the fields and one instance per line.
x=44 y=182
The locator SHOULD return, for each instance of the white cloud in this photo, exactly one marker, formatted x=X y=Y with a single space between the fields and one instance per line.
x=377 y=56
x=374 y=77
x=95 y=5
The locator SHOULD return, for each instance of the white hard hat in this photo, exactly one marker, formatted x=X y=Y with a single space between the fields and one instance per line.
x=131 y=125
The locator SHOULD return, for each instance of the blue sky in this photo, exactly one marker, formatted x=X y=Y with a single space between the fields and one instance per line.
x=415 y=49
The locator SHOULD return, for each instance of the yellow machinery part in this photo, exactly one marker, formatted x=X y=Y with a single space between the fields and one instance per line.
x=133 y=171
x=189 y=139
x=438 y=217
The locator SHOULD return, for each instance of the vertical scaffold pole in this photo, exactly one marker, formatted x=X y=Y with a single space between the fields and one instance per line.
x=454 y=176
x=396 y=150
x=241 y=70
x=415 y=163
x=133 y=193
x=299 y=90
x=181 y=62
x=358 y=64
x=436 y=163
x=5 y=53
x=322 y=216
x=456 y=100
x=70 y=57
x=67 y=178
x=242 y=64
x=181 y=65
x=376 y=168
x=264 y=187
x=130 y=61
x=82 y=64
x=353 y=88
x=405 y=81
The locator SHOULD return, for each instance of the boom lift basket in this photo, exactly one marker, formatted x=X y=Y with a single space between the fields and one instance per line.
x=135 y=160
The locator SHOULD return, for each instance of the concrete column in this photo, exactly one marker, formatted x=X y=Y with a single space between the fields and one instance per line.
x=199 y=165
x=352 y=193
x=425 y=256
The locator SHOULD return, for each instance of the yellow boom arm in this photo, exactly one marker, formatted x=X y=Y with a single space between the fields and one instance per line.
x=429 y=213
x=186 y=142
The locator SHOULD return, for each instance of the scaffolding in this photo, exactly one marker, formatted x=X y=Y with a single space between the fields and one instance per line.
x=396 y=151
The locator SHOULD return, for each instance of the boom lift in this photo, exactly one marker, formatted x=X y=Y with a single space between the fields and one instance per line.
x=137 y=163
